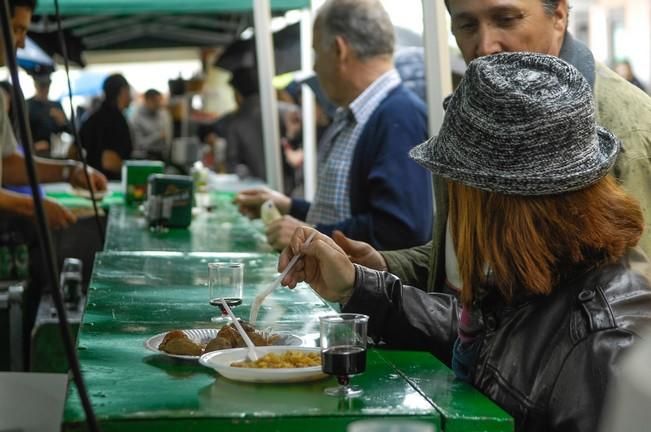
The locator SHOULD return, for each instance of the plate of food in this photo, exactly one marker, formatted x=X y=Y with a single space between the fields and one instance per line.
x=190 y=344
x=275 y=364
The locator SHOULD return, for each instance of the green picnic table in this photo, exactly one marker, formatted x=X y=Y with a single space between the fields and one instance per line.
x=222 y=229
x=136 y=295
x=147 y=282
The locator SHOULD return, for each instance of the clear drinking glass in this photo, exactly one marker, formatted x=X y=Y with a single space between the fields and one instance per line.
x=226 y=281
x=343 y=350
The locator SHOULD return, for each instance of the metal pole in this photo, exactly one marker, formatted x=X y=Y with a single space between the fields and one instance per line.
x=308 y=107
x=437 y=61
x=268 y=102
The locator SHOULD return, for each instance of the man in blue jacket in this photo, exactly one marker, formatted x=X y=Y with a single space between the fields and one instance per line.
x=368 y=188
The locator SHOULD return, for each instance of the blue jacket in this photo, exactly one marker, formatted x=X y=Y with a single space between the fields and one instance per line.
x=390 y=194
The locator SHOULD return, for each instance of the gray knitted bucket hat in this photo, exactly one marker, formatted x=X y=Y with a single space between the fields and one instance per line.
x=521 y=124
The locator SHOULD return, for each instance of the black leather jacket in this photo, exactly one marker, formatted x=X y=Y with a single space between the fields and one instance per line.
x=546 y=360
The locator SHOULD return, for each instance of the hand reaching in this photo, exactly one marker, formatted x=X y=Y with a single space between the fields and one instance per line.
x=97 y=179
x=280 y=232
x=360 y=252
x=249 y=201
x=58 y=217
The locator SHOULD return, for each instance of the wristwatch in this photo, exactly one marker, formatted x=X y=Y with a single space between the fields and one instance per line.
x=66 y=171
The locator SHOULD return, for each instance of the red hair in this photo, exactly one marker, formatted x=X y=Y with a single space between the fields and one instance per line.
x=527 y=242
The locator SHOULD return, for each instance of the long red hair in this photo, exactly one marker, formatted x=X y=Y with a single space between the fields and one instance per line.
x=529 y=242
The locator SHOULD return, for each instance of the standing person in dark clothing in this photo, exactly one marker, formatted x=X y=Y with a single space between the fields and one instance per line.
x=46 y=117
x=243 y=128
x=105 y=134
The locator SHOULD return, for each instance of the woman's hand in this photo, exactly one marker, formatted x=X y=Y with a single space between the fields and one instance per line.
x=325 y=266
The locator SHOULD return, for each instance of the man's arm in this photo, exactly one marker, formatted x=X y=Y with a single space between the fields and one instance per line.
x=411 y=265
x=57 y=113
x=23 y=205
x=117 y=145
x=49 y=170
x=15 y=173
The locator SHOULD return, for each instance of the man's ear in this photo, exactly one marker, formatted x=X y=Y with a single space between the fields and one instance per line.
x=561 y=16
x=342 y=49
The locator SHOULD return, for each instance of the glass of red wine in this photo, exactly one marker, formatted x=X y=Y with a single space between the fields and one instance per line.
x=343 y=350
x=226 y=281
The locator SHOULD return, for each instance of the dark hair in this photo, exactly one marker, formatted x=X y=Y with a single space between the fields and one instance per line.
x=245 y=81
x=549 y=5
x=113 y=84
x=152 y=93
x=29 y=4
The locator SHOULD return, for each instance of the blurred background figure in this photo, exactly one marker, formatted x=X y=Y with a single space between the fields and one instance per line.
x=410 y=63
x=291 y=128
x=325 y=109
x=47 y=120
x=151 y=125
x=624 y=69
x=105 y=135
x=242 y=128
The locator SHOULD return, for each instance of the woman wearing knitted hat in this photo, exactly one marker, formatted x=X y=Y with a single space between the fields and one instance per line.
x=553 y=289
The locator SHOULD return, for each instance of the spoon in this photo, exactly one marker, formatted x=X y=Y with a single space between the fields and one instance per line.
x=251 y=354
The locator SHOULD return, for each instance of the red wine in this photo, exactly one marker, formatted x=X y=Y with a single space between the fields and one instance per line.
x=231 y=301
x=344 y=360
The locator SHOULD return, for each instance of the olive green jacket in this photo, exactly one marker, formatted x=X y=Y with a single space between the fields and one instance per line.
x=623 y=109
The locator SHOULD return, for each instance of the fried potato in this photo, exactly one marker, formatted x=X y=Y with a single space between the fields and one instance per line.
x=288 y=359
x=178 y=343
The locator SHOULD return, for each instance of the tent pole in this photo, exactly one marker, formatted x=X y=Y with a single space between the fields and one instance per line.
x=308 y=108
x=268 y=102
x=437 y=61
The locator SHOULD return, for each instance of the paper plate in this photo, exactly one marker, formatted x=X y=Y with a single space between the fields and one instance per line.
x=203 y=336
x=221 y=361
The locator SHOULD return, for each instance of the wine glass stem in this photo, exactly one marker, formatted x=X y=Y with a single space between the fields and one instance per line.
x=343 y=380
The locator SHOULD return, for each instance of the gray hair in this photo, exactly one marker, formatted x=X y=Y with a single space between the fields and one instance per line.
x=549 y=5
x=364 y=24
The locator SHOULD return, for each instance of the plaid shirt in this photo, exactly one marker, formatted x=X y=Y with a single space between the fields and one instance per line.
x=332 y=203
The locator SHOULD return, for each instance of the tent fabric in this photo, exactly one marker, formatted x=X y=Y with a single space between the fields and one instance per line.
x=125 y=7
x=287 y=52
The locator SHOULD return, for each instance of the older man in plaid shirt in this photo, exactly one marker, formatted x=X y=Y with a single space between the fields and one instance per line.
x=368 y=187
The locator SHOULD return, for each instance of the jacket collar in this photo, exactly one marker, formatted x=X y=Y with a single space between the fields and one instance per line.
x=578 y=55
